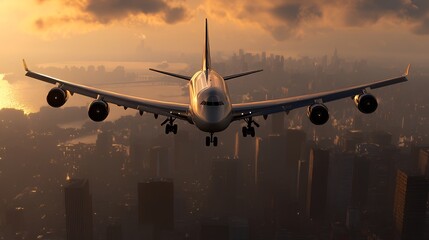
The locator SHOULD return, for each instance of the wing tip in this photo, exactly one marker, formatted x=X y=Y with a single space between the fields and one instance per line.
x=407 y=70
x=25 y=65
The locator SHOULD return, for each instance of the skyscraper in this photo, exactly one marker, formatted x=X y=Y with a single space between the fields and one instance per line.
x=78 y=203
x=317 y=190
x=114 y=232
x=158 y=162
x=410 y=206
x=156 y=204
x=222 y=195
x=424 y=162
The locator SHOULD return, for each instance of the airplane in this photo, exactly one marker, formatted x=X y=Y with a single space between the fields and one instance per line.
x=210 y=108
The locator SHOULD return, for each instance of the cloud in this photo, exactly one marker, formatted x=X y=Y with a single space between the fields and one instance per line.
x=293 y=18
x=108 y=11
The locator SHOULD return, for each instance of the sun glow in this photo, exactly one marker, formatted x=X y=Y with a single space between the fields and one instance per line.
x=7 y=96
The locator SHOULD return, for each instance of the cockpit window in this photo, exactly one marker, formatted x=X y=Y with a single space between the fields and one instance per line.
x=211 y=103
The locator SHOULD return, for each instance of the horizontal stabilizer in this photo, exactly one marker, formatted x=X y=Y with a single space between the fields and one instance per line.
x=172 y=74
x=241 y=74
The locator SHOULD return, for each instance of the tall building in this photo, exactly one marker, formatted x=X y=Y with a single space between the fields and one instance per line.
x=156 y=204
x=78 y=203
x=222 y=193
x=158 y=162
x=295 y=145
x=104 y=143
x=317 y=189
x=410 y=206
x=424 y=162
x=114 y=232
x=214 y=229
x=277 y=123
x=340 y=183
x=360 y=181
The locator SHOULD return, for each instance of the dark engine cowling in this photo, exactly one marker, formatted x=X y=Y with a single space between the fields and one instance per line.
x=366 y=103
x=57 y=97
x=98 y=110
x=318 y=114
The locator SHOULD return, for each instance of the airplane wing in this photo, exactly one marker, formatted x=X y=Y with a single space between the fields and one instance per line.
x=169 y=109
x=252 y=109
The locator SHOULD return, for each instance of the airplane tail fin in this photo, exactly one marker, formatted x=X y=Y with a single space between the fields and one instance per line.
x=206 y=54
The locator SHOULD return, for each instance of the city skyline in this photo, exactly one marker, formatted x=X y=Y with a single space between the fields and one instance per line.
x=359 y=176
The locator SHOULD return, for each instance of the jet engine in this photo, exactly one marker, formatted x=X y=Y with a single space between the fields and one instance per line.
x=318 y=114
x=366 y=103
x=98 y=110
x=57 y=97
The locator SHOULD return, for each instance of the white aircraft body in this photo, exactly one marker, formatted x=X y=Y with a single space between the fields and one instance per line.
x=210 y=108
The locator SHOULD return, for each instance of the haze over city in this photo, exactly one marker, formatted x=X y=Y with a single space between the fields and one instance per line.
x=343 y=180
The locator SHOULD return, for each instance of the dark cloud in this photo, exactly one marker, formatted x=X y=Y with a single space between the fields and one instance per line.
x=296 y=12
x=106 y=11
x=286 y=18
x=364 y=12
x=422 y=28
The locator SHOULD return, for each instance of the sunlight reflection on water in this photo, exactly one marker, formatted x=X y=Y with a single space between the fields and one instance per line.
x=9 y=98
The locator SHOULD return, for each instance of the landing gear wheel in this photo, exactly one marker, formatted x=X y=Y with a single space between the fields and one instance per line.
x=249 y=130
x=208 y=140
x=252 y=131
x=167 y=129
x=244 y=131
x=215 y=141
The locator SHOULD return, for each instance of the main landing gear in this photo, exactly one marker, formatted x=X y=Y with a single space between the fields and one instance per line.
x=169 y=126
x=249 y=130
x=210 y=140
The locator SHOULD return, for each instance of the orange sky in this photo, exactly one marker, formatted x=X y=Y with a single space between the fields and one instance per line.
x=49 y=31
x=104 y=29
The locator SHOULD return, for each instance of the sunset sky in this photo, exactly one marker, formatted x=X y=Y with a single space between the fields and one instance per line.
x=117 y=29
x=49 y=31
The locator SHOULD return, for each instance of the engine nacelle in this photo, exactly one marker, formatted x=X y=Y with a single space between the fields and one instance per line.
x=318 y=114
x=98 y=110
x=366 y=103
x=57 y=97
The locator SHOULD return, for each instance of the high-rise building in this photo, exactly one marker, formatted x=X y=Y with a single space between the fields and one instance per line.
x=294 y=146
x=78 y=203
x=15 y=220
x=360 y=181
x=410 y=206
x=156 y=203
x=222 y=195
x=277 y=123
x=183 y=154
x=317 y=184
x=158 y=162
x=114 y=232
x=214 y=229
x=104 y=143
x=424 y=162
x=340 y=183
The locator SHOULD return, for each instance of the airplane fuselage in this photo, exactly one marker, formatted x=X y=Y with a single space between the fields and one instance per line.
x=210 y=102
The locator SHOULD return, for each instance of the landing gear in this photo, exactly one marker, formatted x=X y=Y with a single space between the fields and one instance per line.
x=249 y=130
x=169 y=126
x=210 y=139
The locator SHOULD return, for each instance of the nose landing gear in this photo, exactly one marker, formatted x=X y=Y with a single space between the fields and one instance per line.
x=249 y=130
x=169 y=126
x=210 y=139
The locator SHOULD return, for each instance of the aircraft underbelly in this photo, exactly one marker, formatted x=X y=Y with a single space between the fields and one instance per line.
x=212 y=122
